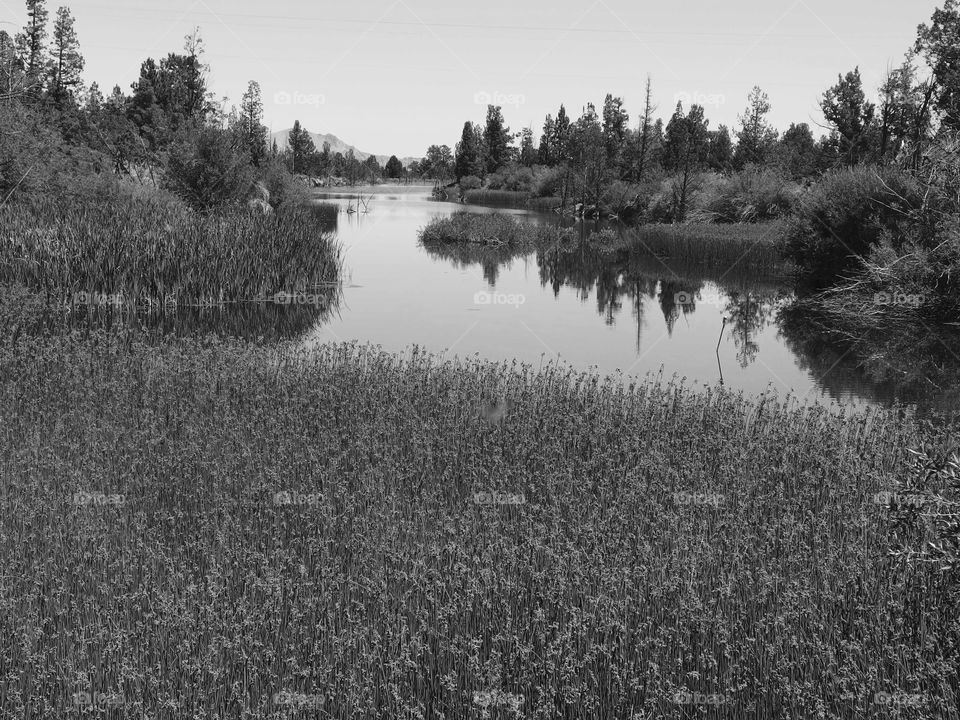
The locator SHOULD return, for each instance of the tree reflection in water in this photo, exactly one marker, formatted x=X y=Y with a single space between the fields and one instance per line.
x=905 y=365
x=619 y=275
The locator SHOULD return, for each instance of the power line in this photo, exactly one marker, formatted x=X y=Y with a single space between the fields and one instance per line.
x=483 y=26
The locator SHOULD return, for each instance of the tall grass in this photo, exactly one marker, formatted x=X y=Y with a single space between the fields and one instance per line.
x=493 y=229
x=543 y=204
x=657 y=546
x=149 y=250
x=757 y=246
x=497 y=198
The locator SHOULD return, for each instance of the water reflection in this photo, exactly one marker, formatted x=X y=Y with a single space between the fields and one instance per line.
x=489 y=258
x=749 y=302
x=260 y=321
x=615 y=310
x=906 y=364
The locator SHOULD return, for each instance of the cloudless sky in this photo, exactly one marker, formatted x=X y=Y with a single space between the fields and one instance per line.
x=394 y=76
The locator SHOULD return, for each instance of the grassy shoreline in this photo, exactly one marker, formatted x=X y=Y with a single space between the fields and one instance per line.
x=670 y=543
x=148 y=249
x=755 y=247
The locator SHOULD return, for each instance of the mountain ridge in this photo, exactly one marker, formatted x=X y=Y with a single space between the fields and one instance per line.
x=337 y=145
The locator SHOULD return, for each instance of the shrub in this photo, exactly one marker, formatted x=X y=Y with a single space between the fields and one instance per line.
x=841 y=218
x=494 y=181
x=619 y=197
x=470 y=182
x=752 y=195
x=207 y=173
x=518 y=179
x=547 y=182
x=283 y=187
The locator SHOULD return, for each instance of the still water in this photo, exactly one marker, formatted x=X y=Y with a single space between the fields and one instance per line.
x=638 y=315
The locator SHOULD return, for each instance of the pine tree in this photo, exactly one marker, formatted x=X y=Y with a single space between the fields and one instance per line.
x=496 y=139
x=11 y=69
x=646 y=129
x=545 y=154
x=393 y=168
x=196 y=103
x=939 y=44
x=615 y=121
x=561 y=136
x=720 y=150
x=253 y=132
x=528 y=153
x=685 y=150
x=846 y=108
x=66 y=62
x=757 y=137
x=30 y=45
x=301 y=147
x=467 y=157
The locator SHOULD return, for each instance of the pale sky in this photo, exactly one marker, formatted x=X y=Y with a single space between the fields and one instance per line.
x=394 y=76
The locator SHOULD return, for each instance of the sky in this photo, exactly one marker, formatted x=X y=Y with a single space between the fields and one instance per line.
x=395 y=76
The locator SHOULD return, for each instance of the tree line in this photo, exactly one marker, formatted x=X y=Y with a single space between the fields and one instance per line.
x=602 y=151
x=168 y=128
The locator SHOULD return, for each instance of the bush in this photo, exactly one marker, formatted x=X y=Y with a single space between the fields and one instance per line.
x=547 y=182
x=844 y=216
x=283 y=187
x=752 y=195
x=470 y=182
x=518 y=179
x=207 y=173
x=622 y=198
x=34 y=157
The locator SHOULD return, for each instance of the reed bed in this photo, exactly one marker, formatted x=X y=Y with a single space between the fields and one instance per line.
x=492 y=229
x=216 y=529
x=150 y=251
x=755 y=246
x=497 y=198
x=544 y=204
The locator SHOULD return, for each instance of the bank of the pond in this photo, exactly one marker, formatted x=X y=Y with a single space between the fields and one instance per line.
x=148 y=248
x=347 y=526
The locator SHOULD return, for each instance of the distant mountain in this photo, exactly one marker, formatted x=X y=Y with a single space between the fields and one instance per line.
x=336 y=146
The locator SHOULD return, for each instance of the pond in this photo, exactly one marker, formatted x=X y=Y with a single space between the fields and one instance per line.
x=637 y=315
